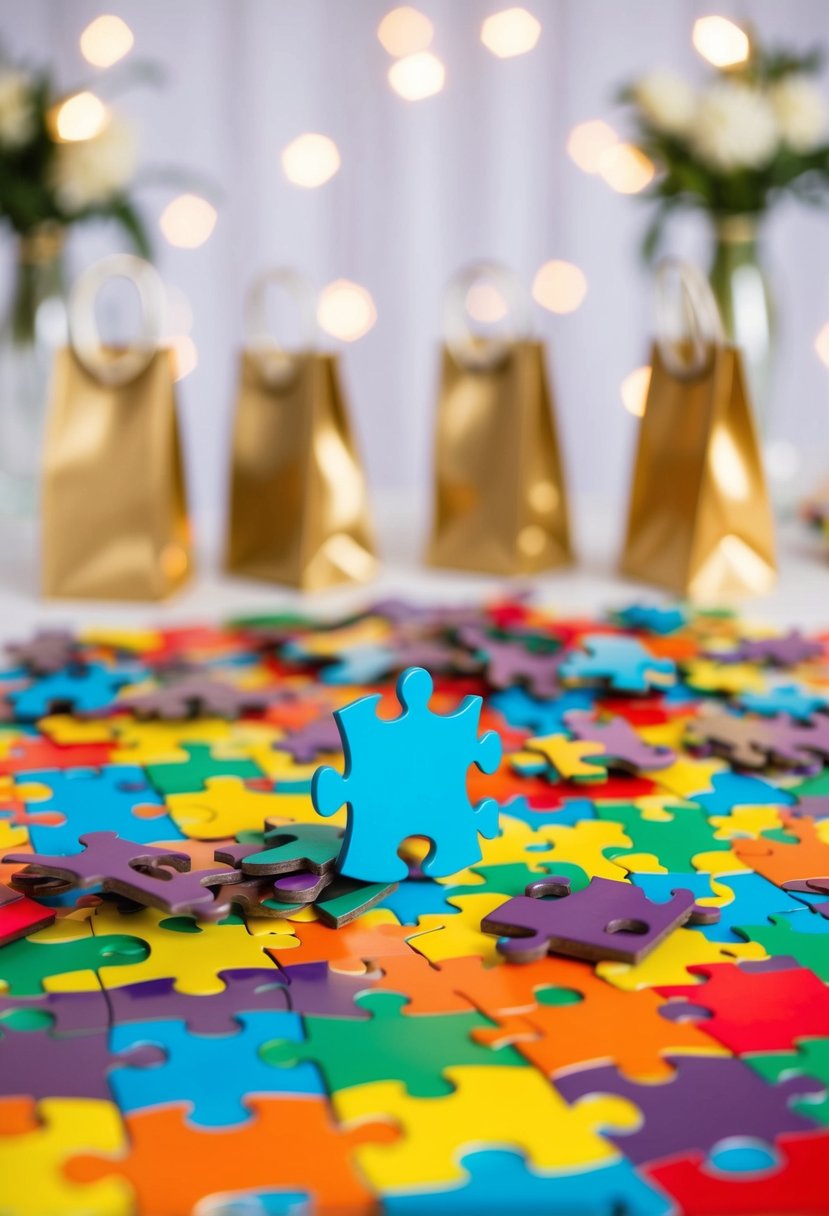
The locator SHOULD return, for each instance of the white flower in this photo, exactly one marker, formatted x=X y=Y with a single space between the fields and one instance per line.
x=801 y=112
x=17 y=112
x=667 y=101
x=90 y=172
x=735 y=127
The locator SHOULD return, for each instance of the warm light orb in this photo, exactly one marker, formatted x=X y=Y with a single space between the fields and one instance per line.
x=185 y=356
x=310 y=160
x=559 y=286
x=588 y=142
x=485 y=304
x=188 y=221
x=634 y=391
x=511 y=32
x=720 y=41
x=82 y=116
x=106 y=40
x=626 y=169
x=822 y=345
x=405 y=31
x=415 y=77
x=345 y=310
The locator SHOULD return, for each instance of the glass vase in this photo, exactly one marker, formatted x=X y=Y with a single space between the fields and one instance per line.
x=742 y=291
x=34 y=323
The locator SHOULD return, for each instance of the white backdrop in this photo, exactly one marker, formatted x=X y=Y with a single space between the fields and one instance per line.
x=480 y=170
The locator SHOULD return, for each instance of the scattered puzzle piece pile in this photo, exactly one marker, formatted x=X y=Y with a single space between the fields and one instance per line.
x=429 y=910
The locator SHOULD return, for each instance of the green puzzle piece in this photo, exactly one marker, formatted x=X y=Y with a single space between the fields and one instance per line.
x=391 y=1046
x=811 y=950
x=810 y=1060
x=297 y=846
x=513 y=878
x=189 y=776
x=25 y=964
x=347 y=898
x=675 y=842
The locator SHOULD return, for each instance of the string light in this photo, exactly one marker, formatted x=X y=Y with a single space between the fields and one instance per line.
x=588 y=142
x=511 y=32
x=405 y=31
x=188 y=221
x=559 y=286
x=417 y=76
x=822 y=345
x=720 y=41
x=485 y=304
x=626 y=169
x=106 y=40
x=310 y=160
x=634 y=391
x=345 y=310
x=82 y=116
x=185 y=356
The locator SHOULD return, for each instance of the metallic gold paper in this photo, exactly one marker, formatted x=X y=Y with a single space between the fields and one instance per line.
x=699 y=523
x=500 y=496
x=113 y=497
x=299 y=509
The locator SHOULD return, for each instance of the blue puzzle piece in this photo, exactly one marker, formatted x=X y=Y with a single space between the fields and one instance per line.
x=95 y=800
x=571 y=812
x=75 y=689
x=418 y=897
x=537 y=714
x=755 y=899
x=787 y=699
x=620 y=663
x=651 y=618
x=406 y=776
x=500 y=1181
x=363 y=664
x=735 y=789
x=213 y=1072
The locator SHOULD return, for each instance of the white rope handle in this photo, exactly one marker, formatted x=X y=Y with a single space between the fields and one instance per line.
x=277 y=366
x=688 y=322
x=107 y=365
x=480 y=351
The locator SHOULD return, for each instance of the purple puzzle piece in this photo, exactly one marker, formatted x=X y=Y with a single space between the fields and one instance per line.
x=787 y=650
x=508 y=663
x=605 y=920
x=71 y=1012
x=38 y=1064
x=309 y=988
x=305 y=744
x=810 y=806
x=198 y=696
x=112 y=862
x=47 y=652
x=303 y=887
x=711 y=1098
x=811 y=886
x=623 y=748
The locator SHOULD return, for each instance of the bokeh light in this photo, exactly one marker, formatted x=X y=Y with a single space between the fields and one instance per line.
x=405 y=31
x=81 y=116
x=188 y=221
x=720 y=41
x=511 y=32
x=415 y=77
x=345 y=310
x=634 y=390
x=485 y=304
x=822 y=344
x=626 y=169
x=589 y=141
x=310 y=160
x=106 y=40
x=185 y=356
x=559 y=286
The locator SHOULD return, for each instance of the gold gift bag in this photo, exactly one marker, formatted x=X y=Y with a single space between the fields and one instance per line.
x=699 y=521
x=114 y=517
x=500 y=501
x=299 y=510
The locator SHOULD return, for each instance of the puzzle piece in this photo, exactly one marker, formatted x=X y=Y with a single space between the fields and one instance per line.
x=810 y=1060
x=64 y=958
x=201 y=764
x=621 y=746
x=510 y=662
x=732 y=679
x=783 y=938
x=719 y=1098
x=560 y=757
x=77 y=690
x=748 y=898
x=675 y=835
x=36 y=1145
x=786 y=650
x=605 y=920
x=806 y=856
x=512 y=1108
x=622 y=664
x=47 y=652
x=20 y=916
x=540 y=715
x=313 y=847
x=783 y=699
x=651 y=618
x=197 y=696
x=673 y=959
x=390 y=796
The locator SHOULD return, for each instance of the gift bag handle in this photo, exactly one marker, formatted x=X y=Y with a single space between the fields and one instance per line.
x=277 y=366
x=687 y=339
x=473 y=351
x=109 y=366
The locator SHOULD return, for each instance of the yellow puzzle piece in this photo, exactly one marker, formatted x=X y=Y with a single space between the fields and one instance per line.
x=668 y=962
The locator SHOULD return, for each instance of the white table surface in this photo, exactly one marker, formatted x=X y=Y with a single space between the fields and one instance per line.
x=801 y=596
